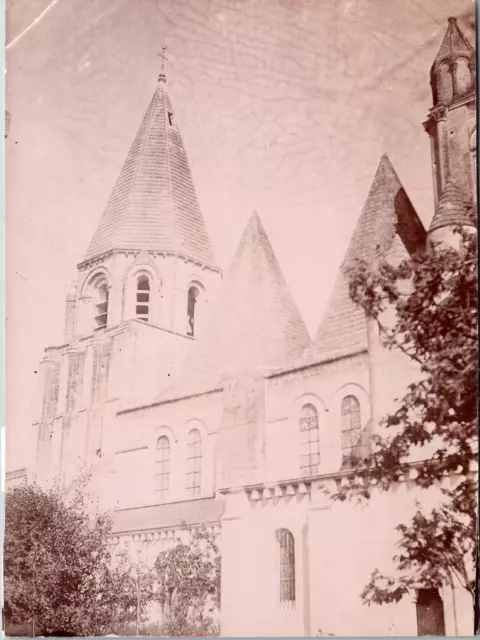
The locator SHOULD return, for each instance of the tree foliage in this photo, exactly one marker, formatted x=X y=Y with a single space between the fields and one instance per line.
x=61 y=579
x=433 y=429
x=135 y=589
x=57 y=562
x=188 y=588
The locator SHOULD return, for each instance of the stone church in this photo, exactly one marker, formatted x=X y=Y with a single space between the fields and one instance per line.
x=199 y=397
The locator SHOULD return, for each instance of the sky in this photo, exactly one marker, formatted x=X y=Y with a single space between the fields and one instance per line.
x=285 y=107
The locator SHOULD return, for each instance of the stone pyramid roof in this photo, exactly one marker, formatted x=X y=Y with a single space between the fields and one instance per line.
x=454 y=45
x=254 y=326
x=153 y=206
x=386 y=213
x=453 y=208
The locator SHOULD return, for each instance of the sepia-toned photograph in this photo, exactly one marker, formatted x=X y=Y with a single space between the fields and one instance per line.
x=241 y=318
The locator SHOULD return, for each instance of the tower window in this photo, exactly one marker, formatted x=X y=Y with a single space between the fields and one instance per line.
x=170 y=118
x=162 y=471
x=286 y=546
x=309 y=441
x=351 y=431
x=193 y=295
x=463 y=76
x=445 y=84
x=194 y=463
x=430 y=613
x=101 y=304
x=143 y=298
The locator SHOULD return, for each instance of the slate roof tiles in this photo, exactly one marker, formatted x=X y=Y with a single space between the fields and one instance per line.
x=255 y=325
x=387 y=212
x=453 y=208
x=153 y=206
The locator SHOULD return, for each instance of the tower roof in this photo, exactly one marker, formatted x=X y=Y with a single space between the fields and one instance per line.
x=255 y=325
x=454 y=44
x=453 y=208
x=387 y=212
x=153 y=206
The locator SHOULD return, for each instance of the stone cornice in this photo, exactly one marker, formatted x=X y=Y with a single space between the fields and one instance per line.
x=163 y=534
x=97 y=260
x=303 y=486
x=440 y=111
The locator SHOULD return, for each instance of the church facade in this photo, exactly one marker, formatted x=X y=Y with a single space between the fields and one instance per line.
x=198 y=397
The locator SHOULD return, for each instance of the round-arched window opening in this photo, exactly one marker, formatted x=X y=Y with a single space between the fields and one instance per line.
x=142 y=309
x=445 y=84
x=463 y=76
x=193 y=296
x=309 y=441
x=101 y=302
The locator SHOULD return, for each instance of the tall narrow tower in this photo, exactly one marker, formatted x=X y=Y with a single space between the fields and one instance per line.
x=451 y=125
x=139 y=300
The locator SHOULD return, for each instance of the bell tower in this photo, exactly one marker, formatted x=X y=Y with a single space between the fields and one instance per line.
x=452 y=127
x=451 y=122
x=139 y=301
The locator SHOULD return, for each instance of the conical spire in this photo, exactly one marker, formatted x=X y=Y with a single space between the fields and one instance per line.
x=453 y=209
x=255 y=324
x=453 y=72
x=153 y=206
x=454 y=45
x=387 y=212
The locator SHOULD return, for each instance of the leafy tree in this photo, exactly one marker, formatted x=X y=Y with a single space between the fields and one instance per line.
x=57 y=563
x=189 y=584
x=432 y=433
x=135 y=584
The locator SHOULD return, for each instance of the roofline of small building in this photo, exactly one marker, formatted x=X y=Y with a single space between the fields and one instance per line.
x=272 y=374
x=316 y=361
x=174 y=398
x=117 y=329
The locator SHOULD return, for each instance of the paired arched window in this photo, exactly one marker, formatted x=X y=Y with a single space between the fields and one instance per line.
x=101 y=302
x=445 y=84
x=142 y=309
x=463 y=76
x=286 y=547
x=309 y=441
x=162 y=470
x=193 y=295
x=351 y=430
x=194 y=463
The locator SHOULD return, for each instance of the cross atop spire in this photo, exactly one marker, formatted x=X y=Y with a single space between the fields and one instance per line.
x=162 y=77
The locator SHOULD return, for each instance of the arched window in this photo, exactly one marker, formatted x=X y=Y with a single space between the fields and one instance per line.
x=309 y=441
x=193 y=295
x=430 y=613
x=101 y=302
x=194 y=463
x=162 y=463
x=143 y=298
x=286 y=545
x=351 y=431
x=445 y=84
x=463 y=76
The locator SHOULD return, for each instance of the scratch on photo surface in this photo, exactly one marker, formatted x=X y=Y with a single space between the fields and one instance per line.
x=32 y=24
